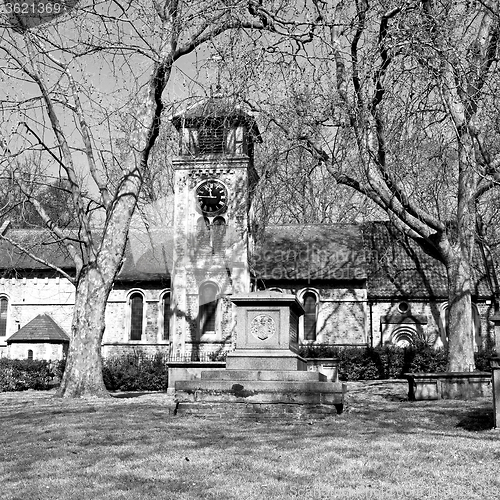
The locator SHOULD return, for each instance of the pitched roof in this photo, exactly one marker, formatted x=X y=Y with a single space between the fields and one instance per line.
x=392 y=264
x=312 y=251
x=398 y=267
x=40 y=329
x=39 y=242
x=148 y=254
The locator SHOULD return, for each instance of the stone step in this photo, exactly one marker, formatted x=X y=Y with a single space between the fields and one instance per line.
x=258 y=411
x=260 y=392
x=259 y=386
x=264 y=375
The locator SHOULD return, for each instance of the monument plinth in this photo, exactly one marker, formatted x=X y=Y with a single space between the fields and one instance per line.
x=264 y=375
x=267 y=333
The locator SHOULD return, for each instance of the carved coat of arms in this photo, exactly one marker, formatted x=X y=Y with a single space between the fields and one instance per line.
x=262 y=327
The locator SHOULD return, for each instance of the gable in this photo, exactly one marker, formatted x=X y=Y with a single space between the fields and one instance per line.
x=40 y=329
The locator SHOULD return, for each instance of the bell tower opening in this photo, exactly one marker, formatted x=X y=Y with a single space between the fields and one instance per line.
x=211 y=139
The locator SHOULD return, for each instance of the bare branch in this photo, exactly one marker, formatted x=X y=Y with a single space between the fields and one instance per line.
x=37 y=258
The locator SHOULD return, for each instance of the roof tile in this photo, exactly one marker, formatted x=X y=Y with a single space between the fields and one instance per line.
x=40 y=329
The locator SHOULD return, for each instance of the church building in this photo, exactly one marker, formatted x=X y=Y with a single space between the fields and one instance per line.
x=360 y=284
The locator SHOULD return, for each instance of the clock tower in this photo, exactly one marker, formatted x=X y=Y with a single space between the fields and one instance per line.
x=214 y=179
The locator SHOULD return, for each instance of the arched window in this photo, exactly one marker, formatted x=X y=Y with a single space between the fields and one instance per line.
x=166 y=316
x=218 y=233
x=476 y=326
x=4 y=306
x=30 y=354
x=207 y=308
x=203 y=233
x=310 y=312
x=136 y=303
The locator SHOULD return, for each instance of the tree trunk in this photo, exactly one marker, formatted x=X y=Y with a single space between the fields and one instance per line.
x=459 y=324
x=83 y=373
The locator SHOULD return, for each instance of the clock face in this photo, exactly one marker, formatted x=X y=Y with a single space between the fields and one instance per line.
x=212 y=197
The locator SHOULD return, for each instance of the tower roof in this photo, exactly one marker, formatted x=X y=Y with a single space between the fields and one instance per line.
x=40 y=329
x=218 y=109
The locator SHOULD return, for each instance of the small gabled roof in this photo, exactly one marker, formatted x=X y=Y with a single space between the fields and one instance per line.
x=40 y=329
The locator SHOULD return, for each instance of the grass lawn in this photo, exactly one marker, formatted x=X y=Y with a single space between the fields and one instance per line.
x=381 y=447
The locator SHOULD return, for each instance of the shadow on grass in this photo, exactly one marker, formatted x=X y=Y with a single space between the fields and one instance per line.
x=477 y=419
x=124 y=395
x=396 y=399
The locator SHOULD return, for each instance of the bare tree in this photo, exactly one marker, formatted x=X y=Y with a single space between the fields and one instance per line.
x=68 y=88
x=398 y=103
x=296 y=188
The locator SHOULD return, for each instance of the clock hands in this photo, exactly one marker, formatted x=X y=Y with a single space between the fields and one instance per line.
x=211 y=197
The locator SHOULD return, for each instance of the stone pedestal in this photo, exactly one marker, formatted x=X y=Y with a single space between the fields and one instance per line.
x=264 y=376
x=267 y=333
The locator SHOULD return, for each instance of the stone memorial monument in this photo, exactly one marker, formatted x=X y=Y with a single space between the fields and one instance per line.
x=265 y=373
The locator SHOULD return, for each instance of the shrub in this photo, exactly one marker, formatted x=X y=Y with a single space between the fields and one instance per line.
x=140 y=372
x=385 y=362
x=393 y=361
x=23 y=374
x=481 y=357
x=358 y=364
x=59 y=367
x=135 y=372
x=319 y=351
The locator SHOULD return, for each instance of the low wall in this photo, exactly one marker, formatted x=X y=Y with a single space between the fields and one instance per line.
x=326 y=366
x=450 y=385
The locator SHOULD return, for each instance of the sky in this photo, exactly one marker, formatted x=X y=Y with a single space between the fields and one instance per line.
x=107 y=85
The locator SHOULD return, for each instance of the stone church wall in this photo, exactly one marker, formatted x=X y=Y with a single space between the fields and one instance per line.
x=116 y=339
x=344 y=317
x=425 y=319
x=30 y=296
x=41 y=350
x=341 y=313
x=342 y=323
x=394 y=321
